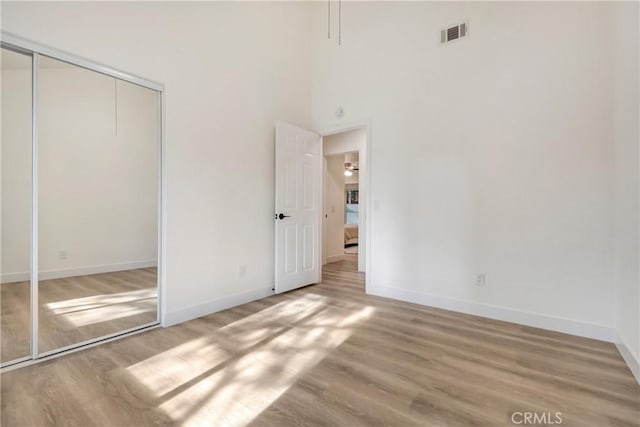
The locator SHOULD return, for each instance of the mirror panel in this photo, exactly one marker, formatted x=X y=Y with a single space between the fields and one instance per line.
x=15 y=202
x=98 y=163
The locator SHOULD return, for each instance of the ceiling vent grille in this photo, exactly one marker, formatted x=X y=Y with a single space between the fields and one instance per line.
x=456 y=32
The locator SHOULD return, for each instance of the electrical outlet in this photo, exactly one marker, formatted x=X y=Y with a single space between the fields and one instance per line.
x=480 y=279
x=242 y=271
x=63 y=254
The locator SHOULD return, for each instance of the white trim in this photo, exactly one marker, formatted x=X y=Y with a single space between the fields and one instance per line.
x=521 y=317
x=366 y=125
x=78 y=271
x=632 y=362
x=162 y=214
x=8 y=365
x=33 y=259
x=332 y=129
x=321 y=199
x=214 y=305
x=22 y=363
x=96 y=339
x=22 y=43
x=22 y=276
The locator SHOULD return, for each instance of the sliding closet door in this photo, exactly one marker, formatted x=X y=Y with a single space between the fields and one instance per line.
x=15 y=207
x=98 y=163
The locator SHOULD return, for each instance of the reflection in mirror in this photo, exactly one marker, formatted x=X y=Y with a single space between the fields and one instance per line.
x=15 y=227
x=98 y=205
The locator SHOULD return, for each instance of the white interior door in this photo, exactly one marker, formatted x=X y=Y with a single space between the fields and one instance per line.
x=298 y=207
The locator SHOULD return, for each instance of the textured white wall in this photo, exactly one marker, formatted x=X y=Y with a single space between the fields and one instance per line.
x=489 y=155
x=97 y=190
x=15 y=169
x=333 y=227
x=98 y=185
x=627 y=185
x=344 y=142
x=230 y=70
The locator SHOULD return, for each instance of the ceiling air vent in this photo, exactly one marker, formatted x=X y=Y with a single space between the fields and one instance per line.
x=456 y=32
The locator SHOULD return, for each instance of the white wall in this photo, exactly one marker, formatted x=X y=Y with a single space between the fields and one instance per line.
x=15 y=227
x=98 y=175
x=97 y=189
x=344 y=142
x=230 y=70
x=627 y=187
x=333 y=227
x=490 y=155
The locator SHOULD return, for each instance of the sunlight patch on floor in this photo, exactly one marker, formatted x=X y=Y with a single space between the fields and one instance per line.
x=285 y=312
x=232 y=375
x=94 y=301
x=250 y=384
x=179 y=365
x=100 y=308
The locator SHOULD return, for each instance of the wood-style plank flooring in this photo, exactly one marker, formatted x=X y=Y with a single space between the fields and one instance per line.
x=76 y=309
x=328 y=355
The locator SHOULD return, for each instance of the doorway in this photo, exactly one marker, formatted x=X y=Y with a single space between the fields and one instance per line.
x=344 y=187
x=301 y=211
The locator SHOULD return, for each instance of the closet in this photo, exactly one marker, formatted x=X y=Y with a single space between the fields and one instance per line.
x=80 y=203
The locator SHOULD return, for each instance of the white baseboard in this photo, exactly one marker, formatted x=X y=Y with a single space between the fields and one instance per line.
x=537 y=320
x=632 y=362
x=212 y=306
x=14 y=277
x=77 y=271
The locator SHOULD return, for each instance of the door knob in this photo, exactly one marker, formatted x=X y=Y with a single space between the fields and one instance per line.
x=283 y=216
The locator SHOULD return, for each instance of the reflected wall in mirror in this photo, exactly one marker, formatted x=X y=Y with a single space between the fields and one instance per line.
x=15 y=203
x=98 y=152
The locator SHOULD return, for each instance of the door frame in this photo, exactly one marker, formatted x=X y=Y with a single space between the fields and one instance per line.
x=20 y=44
x=363 y=124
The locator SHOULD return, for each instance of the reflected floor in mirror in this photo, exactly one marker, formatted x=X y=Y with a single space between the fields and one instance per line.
x=77 y=309
x=15 y=323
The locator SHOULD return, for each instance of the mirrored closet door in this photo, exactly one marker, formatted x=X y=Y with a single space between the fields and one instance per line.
x=15 y=207
x=80 y=202
x=98 y=205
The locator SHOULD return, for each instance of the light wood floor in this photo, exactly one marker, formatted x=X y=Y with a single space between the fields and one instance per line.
x=328 y=355
x=76 y=309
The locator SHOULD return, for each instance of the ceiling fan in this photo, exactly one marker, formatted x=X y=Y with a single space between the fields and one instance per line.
x=349 y=168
